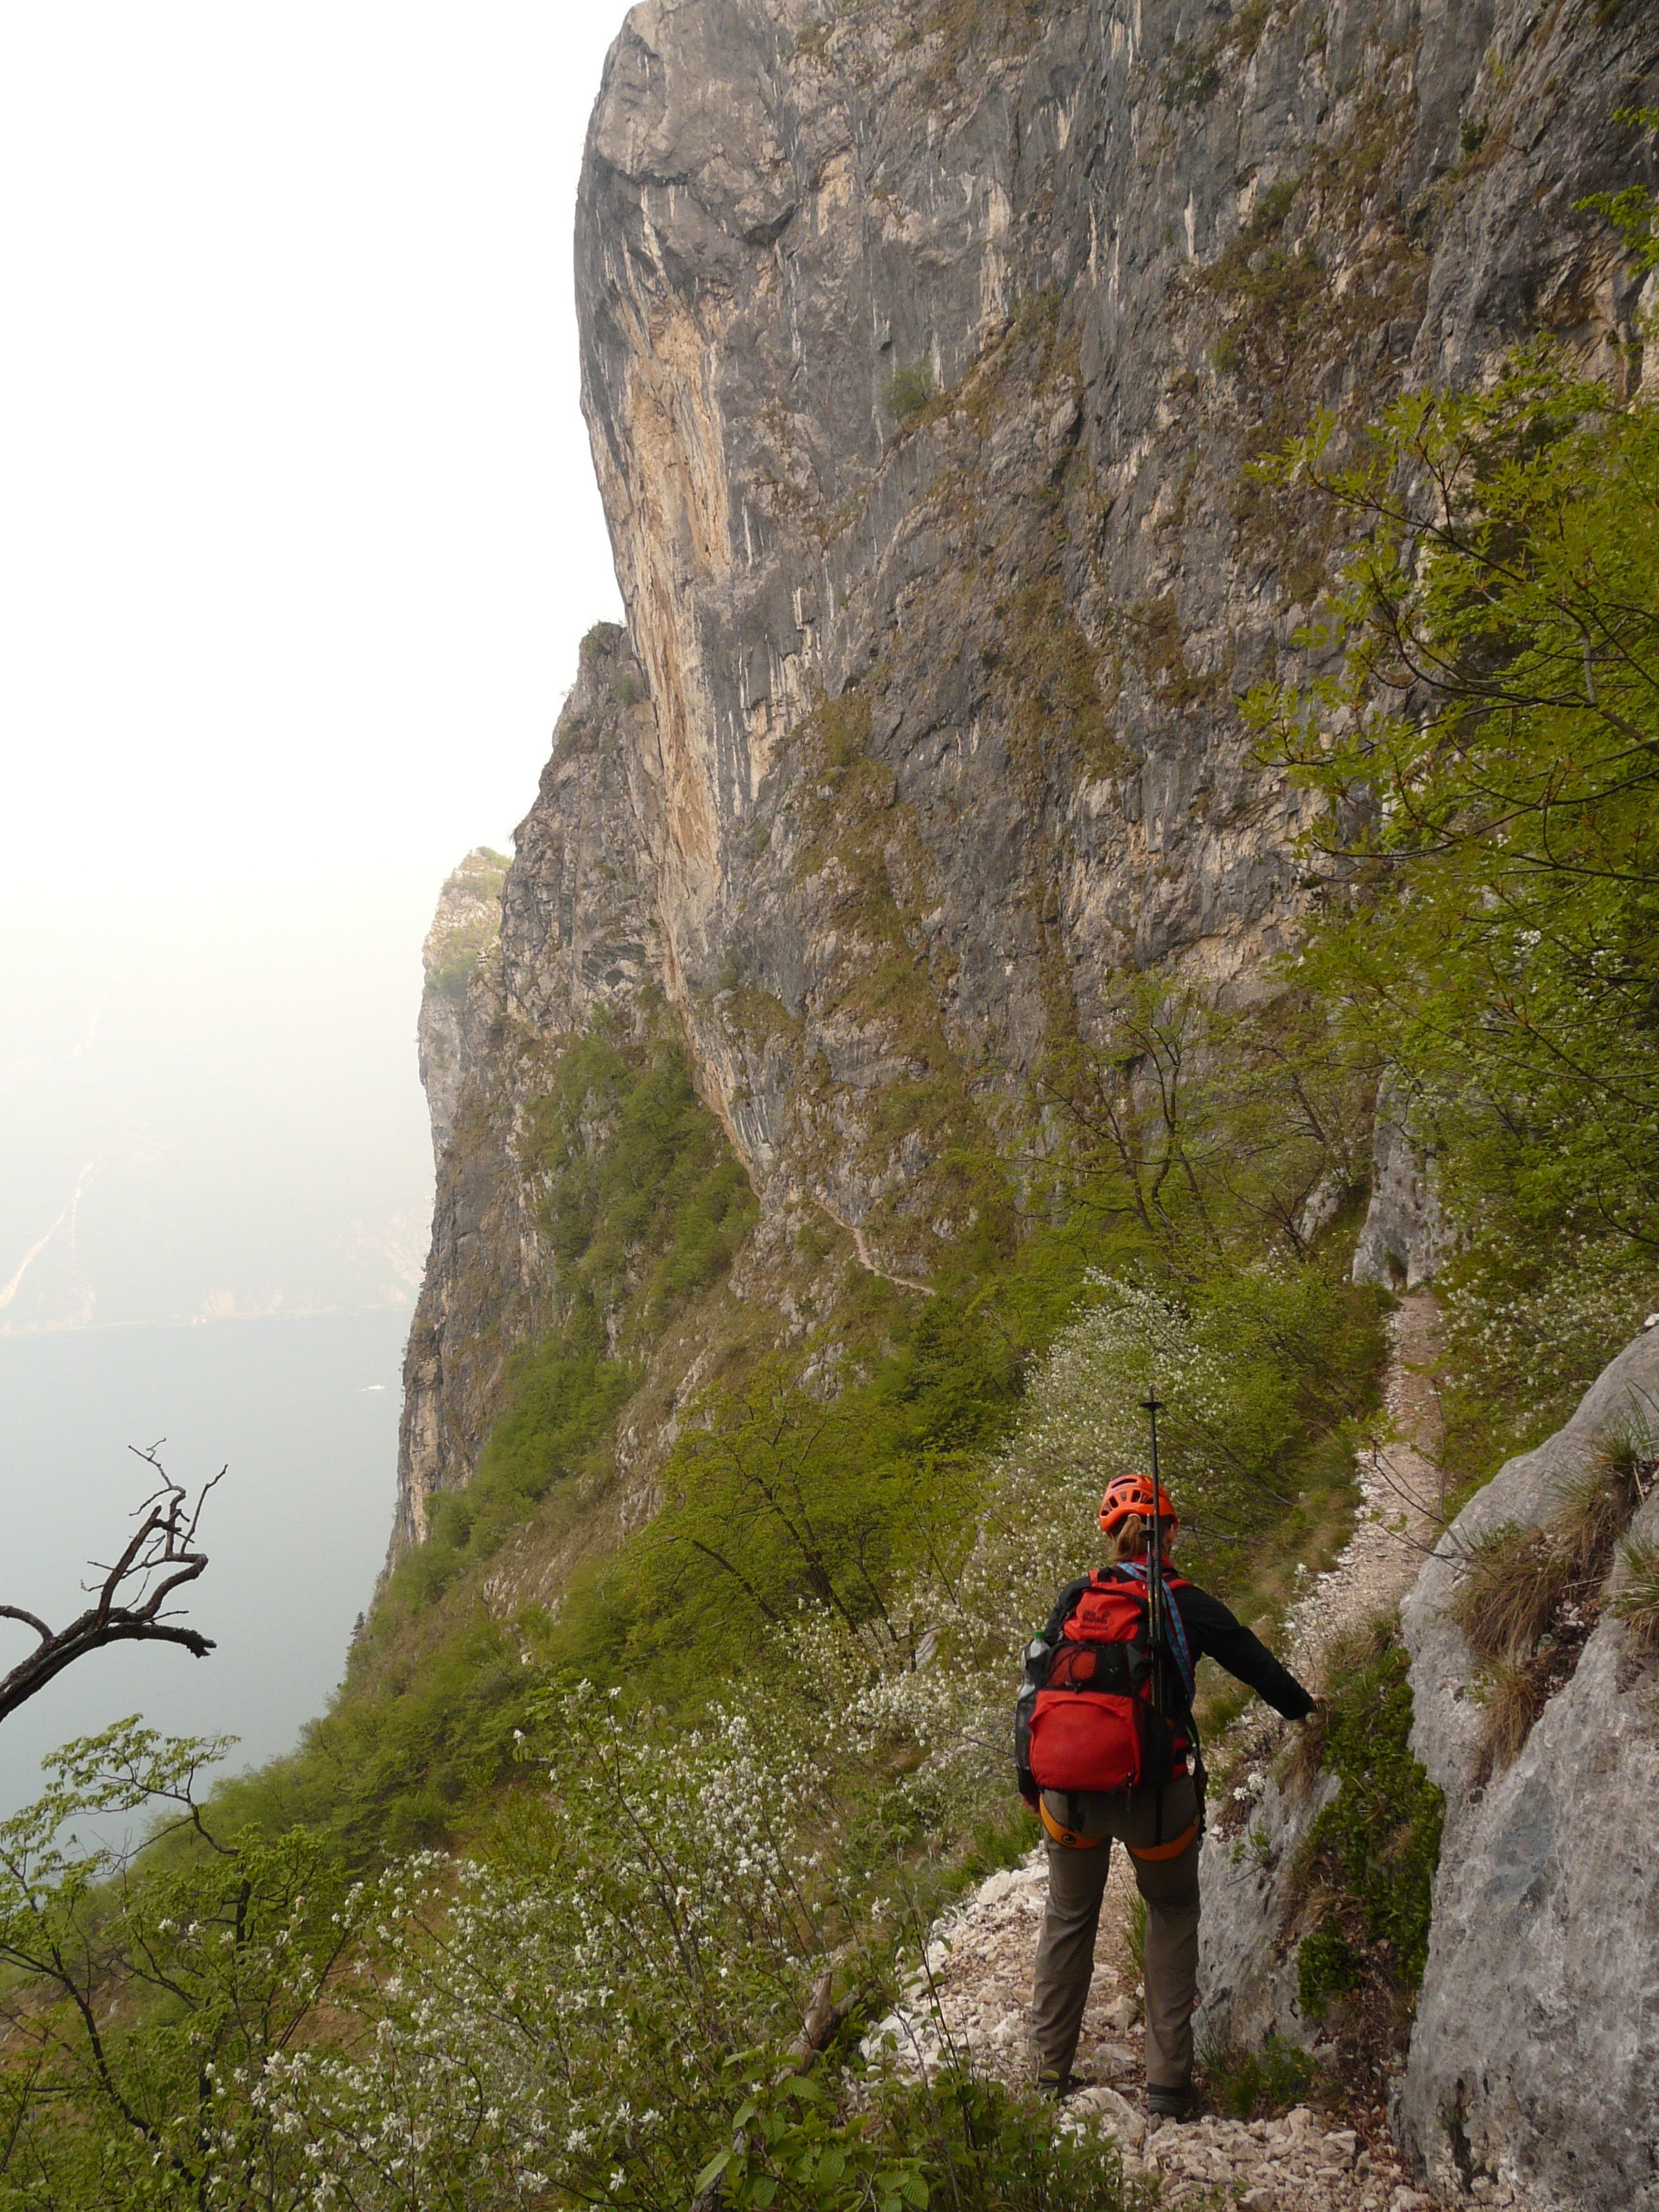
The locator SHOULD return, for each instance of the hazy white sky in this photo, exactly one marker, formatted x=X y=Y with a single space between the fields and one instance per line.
x=298 y=535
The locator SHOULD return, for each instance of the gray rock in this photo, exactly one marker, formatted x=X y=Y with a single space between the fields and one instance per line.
x=1105 y=2109
x=925 y=734
x=1534 y=2056
x=466 y=930
x=577 y=932
x=1247 y=1970
x=945 y=691
x=1405 y=1237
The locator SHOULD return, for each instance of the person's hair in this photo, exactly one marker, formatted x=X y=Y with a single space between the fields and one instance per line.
x=1132 y=1534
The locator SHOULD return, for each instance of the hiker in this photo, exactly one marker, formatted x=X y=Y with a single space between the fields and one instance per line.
x=1096 y=1762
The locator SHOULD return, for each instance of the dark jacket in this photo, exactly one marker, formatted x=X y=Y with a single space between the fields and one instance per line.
x=1212 y=1633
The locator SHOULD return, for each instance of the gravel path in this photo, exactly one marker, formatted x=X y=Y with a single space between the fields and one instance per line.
x=1399 y=1517
x=978 y=1972
x=973 y=1990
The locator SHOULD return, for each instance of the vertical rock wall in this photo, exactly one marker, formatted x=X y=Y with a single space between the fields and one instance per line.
x=923 y=380
x=1534 y=2058
x=923 y=374
x=466 y=931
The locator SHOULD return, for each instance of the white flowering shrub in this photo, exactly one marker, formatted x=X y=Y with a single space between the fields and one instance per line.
x=240 y=2029
x=1528 y=1329
x=559 y=2020
x=141 y=1999
x=1248 y=1369
x=620 y=1995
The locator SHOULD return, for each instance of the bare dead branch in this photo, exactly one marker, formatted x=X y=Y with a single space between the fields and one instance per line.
x=130 y=1605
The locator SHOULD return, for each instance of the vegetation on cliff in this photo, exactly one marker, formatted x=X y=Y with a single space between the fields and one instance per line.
x=467 y=922
x=1490 y=930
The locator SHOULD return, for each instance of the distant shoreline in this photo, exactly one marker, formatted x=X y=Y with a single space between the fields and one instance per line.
x=72 y=1330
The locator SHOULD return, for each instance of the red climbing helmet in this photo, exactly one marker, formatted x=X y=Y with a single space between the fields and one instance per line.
x=1127 y=1494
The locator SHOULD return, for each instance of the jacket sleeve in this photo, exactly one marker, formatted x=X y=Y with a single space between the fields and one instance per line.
x=1213 y=1632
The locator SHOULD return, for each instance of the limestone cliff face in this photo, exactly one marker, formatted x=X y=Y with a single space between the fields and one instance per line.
x=1535 y=2056
x=923 y=370
x=576 y=931
x=922 y=381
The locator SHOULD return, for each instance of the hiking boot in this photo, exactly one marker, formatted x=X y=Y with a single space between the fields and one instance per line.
x=1051 y=2082
x=1166 y=2104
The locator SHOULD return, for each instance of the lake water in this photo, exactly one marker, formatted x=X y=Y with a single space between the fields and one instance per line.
x=304 y=1412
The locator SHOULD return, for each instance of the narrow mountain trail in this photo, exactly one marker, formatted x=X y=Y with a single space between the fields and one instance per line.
x=1402 y=1491
x=971 y=1994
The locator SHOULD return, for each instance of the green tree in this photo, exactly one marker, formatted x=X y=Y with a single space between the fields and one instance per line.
x=1485 y=756
x=145 y=1993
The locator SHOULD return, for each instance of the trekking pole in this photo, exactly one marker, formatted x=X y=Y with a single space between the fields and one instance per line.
x=1152 y=1407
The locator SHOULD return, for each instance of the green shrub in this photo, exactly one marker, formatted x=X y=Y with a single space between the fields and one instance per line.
x=1366 y=1868
x=1327 y=1967
x=1256 y=2085
x=908 y=391
x=960 y=2140
x=1489 y=932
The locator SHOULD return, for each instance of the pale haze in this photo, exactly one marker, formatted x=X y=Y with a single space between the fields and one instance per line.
x=299 y=535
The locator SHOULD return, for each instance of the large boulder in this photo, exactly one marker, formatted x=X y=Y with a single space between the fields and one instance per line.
x=1534 y=2056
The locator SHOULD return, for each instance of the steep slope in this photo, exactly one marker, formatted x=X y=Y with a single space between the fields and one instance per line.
x=574 y=932
x=925 y=353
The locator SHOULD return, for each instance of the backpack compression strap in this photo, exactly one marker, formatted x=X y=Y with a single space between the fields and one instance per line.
x=1138 y=1569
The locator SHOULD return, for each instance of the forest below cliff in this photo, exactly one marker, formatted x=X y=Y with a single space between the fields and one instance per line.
x=682 y=1709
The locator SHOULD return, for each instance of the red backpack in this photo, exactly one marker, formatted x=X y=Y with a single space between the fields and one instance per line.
x=1085 y=1720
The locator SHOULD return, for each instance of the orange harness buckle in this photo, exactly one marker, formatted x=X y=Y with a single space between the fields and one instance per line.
x=1068 y=1838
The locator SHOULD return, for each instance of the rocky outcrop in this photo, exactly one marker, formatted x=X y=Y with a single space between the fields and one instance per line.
x=1252 y=1868
x=576 y=933
x=465 y=929
x=1247 y=1967
x=923 y=367
x=1534 y=2058
x=1533 y=2067
x=1405 y=1236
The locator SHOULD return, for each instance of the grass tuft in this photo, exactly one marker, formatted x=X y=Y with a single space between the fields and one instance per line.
x=1512 y=1696
x=1259 y=2085
x=1513 y=1579
x=1529 y=1599
x=1636 y=1600
x=1134 y=1935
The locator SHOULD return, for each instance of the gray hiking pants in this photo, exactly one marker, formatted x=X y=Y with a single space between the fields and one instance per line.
x=1066 y=1950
